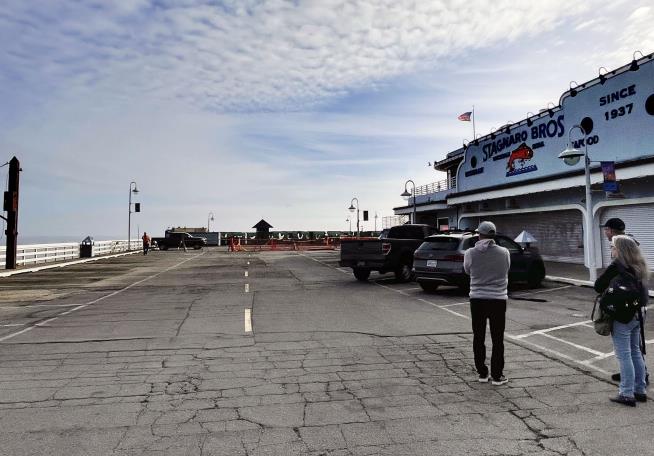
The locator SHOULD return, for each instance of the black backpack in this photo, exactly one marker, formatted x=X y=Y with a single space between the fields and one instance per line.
x=623 y=298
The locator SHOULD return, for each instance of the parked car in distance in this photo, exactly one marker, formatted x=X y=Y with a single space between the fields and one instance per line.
x=439 y=261
x=393 y=253
x=174 y=240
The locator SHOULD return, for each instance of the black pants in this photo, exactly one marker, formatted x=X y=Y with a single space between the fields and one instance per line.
x=495 y=311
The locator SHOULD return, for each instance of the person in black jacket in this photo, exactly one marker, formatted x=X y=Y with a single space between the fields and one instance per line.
x=627 y=336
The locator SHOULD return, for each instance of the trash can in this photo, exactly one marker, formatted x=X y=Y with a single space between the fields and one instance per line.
x=86 y=247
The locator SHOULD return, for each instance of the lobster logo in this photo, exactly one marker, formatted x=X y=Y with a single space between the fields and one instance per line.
x=520 y=155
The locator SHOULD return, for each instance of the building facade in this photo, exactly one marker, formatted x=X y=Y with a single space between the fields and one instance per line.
x=515 y=178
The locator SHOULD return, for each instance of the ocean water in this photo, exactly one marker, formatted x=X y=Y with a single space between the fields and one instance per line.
x=57 y=239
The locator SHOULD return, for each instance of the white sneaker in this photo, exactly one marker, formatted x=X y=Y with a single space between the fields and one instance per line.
x=500 y=381
x=484 y=379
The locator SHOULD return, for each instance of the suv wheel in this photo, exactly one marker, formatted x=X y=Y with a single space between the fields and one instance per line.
x=361 y=274
x=535 y=275
x=429 y=286
x=404 y=273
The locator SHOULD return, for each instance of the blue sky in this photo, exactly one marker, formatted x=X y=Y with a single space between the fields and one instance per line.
x=272 y=109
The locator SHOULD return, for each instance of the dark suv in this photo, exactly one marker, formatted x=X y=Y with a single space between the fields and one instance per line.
x=439 y=261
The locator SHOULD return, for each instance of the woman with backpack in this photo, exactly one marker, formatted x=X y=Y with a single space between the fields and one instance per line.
x=624 y=297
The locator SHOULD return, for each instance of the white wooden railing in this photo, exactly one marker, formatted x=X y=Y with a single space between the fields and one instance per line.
x=33 y=254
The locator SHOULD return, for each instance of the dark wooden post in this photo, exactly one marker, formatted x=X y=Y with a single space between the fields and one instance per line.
x=11 y=206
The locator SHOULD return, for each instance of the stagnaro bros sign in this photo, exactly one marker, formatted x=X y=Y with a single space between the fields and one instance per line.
x=616 y=112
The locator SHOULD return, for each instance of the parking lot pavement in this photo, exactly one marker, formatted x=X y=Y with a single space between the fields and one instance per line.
x=166 y=364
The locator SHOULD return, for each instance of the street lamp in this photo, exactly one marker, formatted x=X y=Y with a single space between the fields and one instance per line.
x=571 y=157
x=352 y=208
x=405 y=194
x=209 y=219
x=348 y=220
x=376 y=217
x=134 y=190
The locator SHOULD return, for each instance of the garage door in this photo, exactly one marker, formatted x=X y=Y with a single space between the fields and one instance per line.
x=638 y=219
x=559 y=233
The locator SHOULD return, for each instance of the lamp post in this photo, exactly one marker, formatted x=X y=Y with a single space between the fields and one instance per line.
x=571 y=157
x=352 y=208
x=348 y=220
x=134 y=190
x=407 y=195
x=376 y=217
x=209 y=219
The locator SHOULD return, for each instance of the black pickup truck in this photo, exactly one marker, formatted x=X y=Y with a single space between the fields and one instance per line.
x=393 y=253
x=174 y=240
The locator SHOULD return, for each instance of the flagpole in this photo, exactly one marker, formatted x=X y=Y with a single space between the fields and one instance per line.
x=474 y=133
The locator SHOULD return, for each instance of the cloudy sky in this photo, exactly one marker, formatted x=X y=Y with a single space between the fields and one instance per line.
x=283 y=110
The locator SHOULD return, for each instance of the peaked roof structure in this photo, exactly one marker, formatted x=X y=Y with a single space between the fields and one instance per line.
x=262 y=225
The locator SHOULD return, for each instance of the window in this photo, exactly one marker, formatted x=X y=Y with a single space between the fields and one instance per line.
x=440 y=243
x=508 y=243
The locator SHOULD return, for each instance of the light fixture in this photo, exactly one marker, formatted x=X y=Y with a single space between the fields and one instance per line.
x=508 y=126
x=529 y=116
x=550 y=110
x=602 y=76
x=465 y=146
x=492 y=134
x=573 y=90
x=571 y=156
x=352 y=208
x=634 y=65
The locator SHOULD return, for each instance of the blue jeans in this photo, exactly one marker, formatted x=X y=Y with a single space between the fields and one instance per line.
x=626 y=342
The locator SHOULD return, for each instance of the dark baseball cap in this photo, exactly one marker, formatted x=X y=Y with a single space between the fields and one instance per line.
x=614 y=224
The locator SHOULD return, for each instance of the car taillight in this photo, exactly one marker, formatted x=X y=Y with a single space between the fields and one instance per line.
x=453 y=258
x=386 y=247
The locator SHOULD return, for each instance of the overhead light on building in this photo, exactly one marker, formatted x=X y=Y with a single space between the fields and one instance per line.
x=549 y=109
x=573 y=90
x=492 y=133
x=529 y=116
x=602 y=76
x=571 y=155
x=634 y=65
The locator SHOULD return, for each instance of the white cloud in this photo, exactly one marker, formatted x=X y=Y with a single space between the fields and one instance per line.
x=255 y=55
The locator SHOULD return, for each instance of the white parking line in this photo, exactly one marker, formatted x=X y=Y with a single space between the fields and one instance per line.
x=248 y=320
x=456 y=304
x=559 y=354
x=444 y=308
x=29 y=328
x=36 y=305
x=553 y=328
x=246 y=273
x=527 y=293
x=12 y=324
x=247 y=287
x=572 y=344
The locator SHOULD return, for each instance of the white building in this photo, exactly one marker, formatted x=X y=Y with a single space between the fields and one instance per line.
x=514 y=177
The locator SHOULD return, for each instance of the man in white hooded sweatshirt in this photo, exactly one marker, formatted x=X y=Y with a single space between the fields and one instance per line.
x=488 y=264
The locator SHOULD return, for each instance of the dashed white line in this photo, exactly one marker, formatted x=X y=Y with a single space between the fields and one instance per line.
x=247 y=287
x=248 y=320
x=12 y=324
x=246 y=273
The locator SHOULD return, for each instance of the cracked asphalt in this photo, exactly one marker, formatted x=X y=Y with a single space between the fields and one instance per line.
x=150 y=356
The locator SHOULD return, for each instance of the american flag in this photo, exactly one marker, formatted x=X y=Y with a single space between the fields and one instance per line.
x=465 y=116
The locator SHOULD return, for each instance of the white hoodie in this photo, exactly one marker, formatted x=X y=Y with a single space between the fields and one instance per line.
x=487 y=264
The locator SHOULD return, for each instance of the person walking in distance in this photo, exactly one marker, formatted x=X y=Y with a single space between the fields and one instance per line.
x=616 y=227
x=488 y=264
x=146 y=243
x=627 y=332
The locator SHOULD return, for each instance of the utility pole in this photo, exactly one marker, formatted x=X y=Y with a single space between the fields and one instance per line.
x=11 y=206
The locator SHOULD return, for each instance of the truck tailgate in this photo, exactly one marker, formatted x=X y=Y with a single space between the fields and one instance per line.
x=361 y=249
